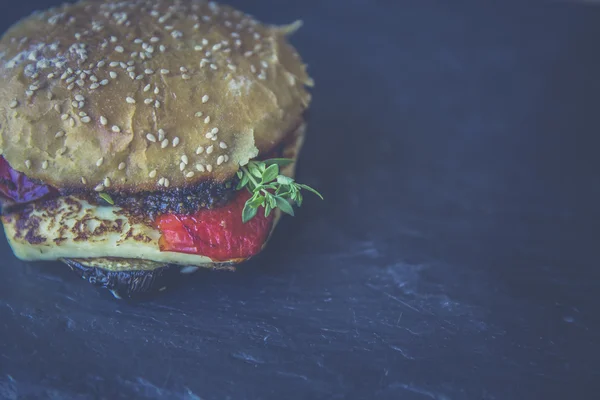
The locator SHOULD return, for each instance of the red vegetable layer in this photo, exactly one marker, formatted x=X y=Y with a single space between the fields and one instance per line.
x=218 y=233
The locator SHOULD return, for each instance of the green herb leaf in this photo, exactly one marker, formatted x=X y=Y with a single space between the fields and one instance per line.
x=284 y=180
x=269 y=189
x=282 y=162
x=311 y=190
x=106 y=197
x=284 y=206
x=270 y=173
x=248 y=213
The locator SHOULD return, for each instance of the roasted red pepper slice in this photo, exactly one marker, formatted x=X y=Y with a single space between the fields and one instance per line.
x=218 y=234
x=16 y=187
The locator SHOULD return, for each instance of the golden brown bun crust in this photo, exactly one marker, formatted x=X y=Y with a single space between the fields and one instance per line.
x=164 y=74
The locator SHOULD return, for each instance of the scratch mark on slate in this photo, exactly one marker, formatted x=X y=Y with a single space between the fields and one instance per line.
x=398 y=349
x=247 y=358
x=292 y=375
x=394 y=298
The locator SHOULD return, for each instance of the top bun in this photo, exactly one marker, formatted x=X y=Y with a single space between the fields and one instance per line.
x=145 y=94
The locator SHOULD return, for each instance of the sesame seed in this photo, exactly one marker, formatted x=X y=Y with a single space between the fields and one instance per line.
x=147 y=87
x=129 y=69
x=156 y=91
x=152 y=173
x=119 y=49
x=189 y=174
x=113 y=74
x=100 y=161
x=79 y=97
x=80 y=105
x=71 y=122
x=213 y=67
x=166 y=182
x=203 y=62
x=122 y=65
x=164 y=143
x=94 y=86
x=137 y=41
x=132 y=75
x=161 y=135
x=161 y=181
x=101 y=64
x=207 y=119
x=148 y=101
x=208 y=135
x=198 y=47
x=83 y=180
x=13 y=104
x=204 y=41
x=57 y=108
x=80 y=82
x=184 y=159
x=71 y=86
x=29 y=93
x=130 y=100
x=107 y=182
x=148 y=71
x=185 y=77
x=175 y=141
x=181 y=166
x=104 y=82
x=223 y=145
x=71 y=79
x=204 y=98
x=220 y=160
x=113 y=39
x=154 y=39
x=44 y=164
x=99 y=187
x=151 y=137
x=86 y=119
x=103 y=120
x=74 y=104
x=164 y=71
x=198 y=114
x=209 y=149
x=200 y=167
x=121 y=166
x=216 y=47
x=139 y=77
x=214 y=131
x=209 y=167
x=64 y=117
x=116 y=129
x=199 y=150
x=114 y=64
x=28 y=163
x=157 y=104
x=162 y=48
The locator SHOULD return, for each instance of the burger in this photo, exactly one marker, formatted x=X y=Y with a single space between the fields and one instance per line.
x=143 y=139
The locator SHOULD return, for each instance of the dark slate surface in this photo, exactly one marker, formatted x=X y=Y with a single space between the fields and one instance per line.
x=457 y=146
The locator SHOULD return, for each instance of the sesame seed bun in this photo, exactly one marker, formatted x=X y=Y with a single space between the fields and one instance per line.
x=145 y=95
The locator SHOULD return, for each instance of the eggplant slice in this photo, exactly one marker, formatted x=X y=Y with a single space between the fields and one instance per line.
x=128 y=278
